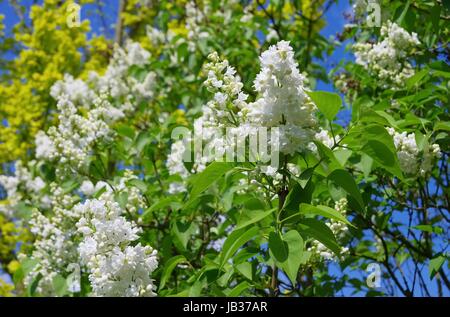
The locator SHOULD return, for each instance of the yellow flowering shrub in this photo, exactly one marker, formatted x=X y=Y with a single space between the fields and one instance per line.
x=10 y=236
x=49 y=48
x=6 y=289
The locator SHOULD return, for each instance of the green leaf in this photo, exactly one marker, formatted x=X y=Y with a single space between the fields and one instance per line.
x=26 y=266
x=366 y=164
x=139 y=184
x=224 y=279
x=234 y=241
x=182 y=51
x=142 y=140
x=246 y=269
x=34 y=284
x=371 y=116
x=328 y=103
x=202 y=181
x=125 y=131
x=429 y=228
x=278 y=248
x=238 y=289
x=69 y=186
x=360 y=135
x=18 y=276
x=441 y=125
x=122 y=199
x=327 y=155
x=323 y=211
x=382 y=155
x=23 y=211
x=100 y=191
x=183 y=231
x=417 y=77
x=320 y=231
x=346 y=181
x=60 y=285
x=359 y=104
x=253 y=203
x=379 y=133
x=295 y=247
x=161 y=204
x=342 y=155
x=169 y=266
x=388 y=117
x=137 y=72
x=195 y=290
x=193 y=204
x=249 y=217
x=435 y=264
x=403 y=14
x=305 y=176
x=411 y=120
x=336 y=192
x=293 y=198
x=287 y=252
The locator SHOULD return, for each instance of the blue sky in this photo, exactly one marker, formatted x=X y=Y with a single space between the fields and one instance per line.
x=334 y=24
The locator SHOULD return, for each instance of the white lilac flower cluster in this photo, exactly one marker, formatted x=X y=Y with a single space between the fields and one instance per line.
x=227 y=88
x=360 y=7
x=155 y=35
x=194 y=19
x=283 y=101
x=325 y=138
x=247 y=13
x=76 y=90
x=388 y=58
x=54 y=248
x=44 y=145
x=412 y=160
x=198 y=13
x=217 y=115
x=272 y=35
x=220 y=113
x=86 y=112
x=227 y=119
x=175 y=160
x=135 y=200
x=340 y=83
x=339 y=229
x=117 y=82
x=176 y=166
x=23 y=185
x=70 y=142
x=168 y=42
x=274 y=173
x=116 y=266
